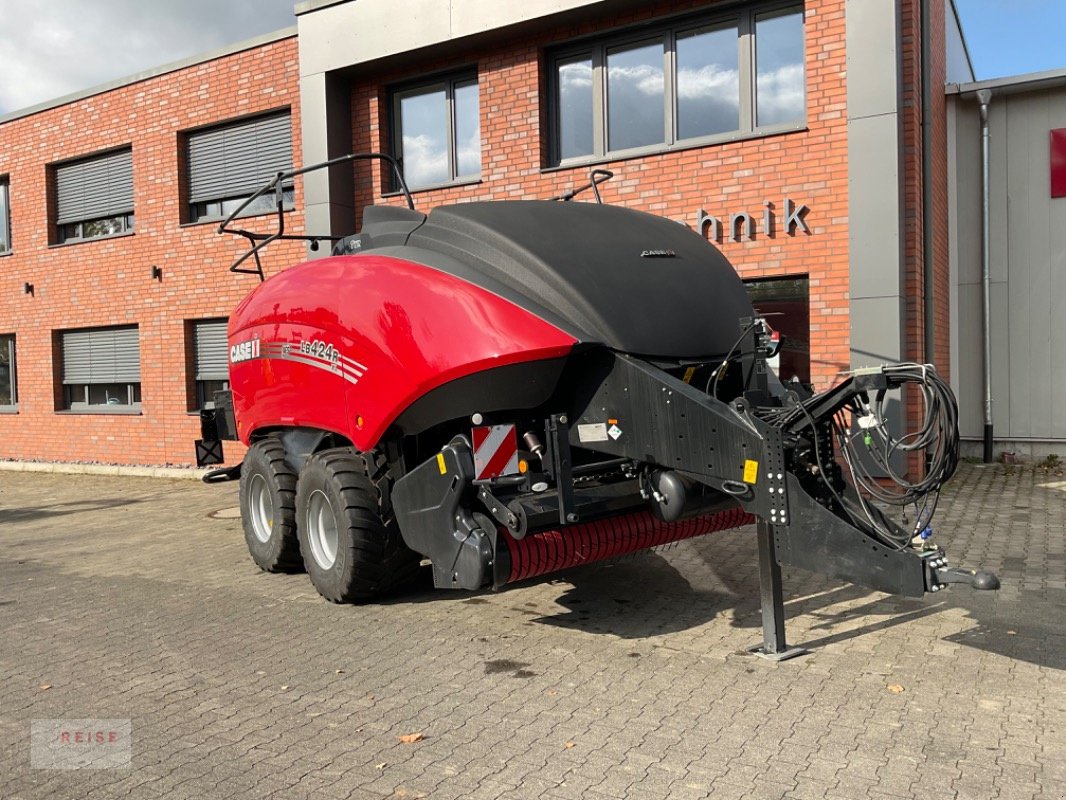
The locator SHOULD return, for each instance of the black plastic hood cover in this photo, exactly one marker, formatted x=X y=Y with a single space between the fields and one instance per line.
x=633 y=281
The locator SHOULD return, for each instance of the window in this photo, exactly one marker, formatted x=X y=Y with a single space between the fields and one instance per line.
x=437 y=132
x=8 y=379
x=101 y=369
x=688 y=83
x=211 y=357
x=94 y=197
x=228 y=163
x=5 y=217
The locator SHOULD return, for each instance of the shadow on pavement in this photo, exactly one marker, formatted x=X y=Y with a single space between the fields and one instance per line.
x=633 y=598
x=644 y=595
x=15 y=515
x=1029 y=628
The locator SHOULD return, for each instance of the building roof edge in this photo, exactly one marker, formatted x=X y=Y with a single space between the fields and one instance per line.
x=307 y=6
x=1013 y=84
x=154 y=72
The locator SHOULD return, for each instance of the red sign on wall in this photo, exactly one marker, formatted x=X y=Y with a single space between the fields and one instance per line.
x=1058 y=162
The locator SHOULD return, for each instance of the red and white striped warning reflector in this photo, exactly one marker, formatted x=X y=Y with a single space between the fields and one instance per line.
x=495 y=451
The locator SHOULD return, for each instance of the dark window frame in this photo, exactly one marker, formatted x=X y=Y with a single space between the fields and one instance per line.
x=8 y=341
x=85 y=406
x=72 y=231
x=666 y=33
x=449 y=82
x=5 y=215
x=76 y=396
x=211 y=209
x=202 y=394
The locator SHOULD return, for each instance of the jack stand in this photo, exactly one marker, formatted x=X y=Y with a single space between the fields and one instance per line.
x=773 y=647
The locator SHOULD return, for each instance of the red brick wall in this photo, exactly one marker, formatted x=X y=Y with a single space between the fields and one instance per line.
x=914 y=200
x=940 y=178
x=107 y=282
x=809 y=166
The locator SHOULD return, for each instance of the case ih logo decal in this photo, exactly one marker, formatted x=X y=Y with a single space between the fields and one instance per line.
x=315 y=353
x=245 y=351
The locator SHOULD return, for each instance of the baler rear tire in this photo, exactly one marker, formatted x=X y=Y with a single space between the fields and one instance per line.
x=268 y=508
x=351 y=550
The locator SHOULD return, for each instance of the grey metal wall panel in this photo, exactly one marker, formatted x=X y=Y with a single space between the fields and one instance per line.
x=96 y=187
x=1028 y=268
x=966 y=245
x=1018 y=365
x=236 y=159
x=871 y=50
x=101 y=355
x=1002 y=397
x=211 y=350
x=966 y=171
x=326 y=120
x=874 y=207
x=968 y=382
x=347 y=34
x=875 y=224
x=999 y=149
x=1037 y=327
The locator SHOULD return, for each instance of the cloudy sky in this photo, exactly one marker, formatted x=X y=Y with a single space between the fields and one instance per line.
x=49 y=48
x=53 y=47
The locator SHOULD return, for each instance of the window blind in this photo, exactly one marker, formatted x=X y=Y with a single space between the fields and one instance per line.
x=96 y=187
x=102 y=355
x=237 y=159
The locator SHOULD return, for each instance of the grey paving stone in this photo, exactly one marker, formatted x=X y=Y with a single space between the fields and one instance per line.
x=130 y=602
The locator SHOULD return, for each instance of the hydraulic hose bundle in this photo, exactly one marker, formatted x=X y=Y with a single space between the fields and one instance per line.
x=873 y=454
x=938 y=438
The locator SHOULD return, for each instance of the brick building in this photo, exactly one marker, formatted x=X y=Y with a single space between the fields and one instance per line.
x=113 y=269
x=789 y=133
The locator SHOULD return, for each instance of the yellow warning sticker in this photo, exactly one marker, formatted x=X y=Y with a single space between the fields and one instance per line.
x=751 y=471
x=688 y=374
x=444 y=467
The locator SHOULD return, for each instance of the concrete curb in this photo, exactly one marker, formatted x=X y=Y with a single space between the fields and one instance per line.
x=174 y=473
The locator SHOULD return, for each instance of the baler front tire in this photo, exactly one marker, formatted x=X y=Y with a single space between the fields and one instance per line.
x=350 y=552
x=268 y=508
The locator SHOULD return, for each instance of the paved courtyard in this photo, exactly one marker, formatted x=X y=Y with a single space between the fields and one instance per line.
x=124 y=598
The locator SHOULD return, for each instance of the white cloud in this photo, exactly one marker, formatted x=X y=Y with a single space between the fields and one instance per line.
x=469 y=153
x=708 y=82
x=575 y=76
x=53 y=48
x=781 y=94
x=646 y=79
x=425 y=160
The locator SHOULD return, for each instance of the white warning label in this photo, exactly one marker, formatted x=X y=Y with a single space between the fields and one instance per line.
x=595 y=432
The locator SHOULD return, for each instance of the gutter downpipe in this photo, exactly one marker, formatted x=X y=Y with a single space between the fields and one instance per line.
x=928 y=288
x=984 y=97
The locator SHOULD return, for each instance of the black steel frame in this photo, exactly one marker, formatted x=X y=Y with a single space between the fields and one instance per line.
x=258 y=240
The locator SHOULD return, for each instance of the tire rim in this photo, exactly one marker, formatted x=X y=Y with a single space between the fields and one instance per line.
x=322 y=529
x=261 y=508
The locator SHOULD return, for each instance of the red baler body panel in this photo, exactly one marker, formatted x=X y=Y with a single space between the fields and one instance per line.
x=347 y=343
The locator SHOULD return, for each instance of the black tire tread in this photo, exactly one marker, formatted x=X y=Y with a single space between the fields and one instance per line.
x=380 y=559
x=286 y=556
